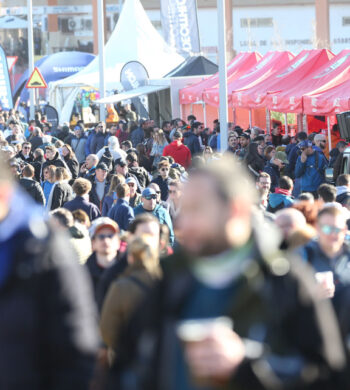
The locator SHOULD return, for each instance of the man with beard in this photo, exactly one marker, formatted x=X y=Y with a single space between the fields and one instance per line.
x=320 y=143
x=229 y=266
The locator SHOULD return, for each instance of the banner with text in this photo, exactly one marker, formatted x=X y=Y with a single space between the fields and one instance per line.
x=180 y=25
x=6 y=101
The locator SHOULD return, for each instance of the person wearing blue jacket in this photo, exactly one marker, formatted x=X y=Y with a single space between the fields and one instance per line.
x=149 y=205
x=310 y=168
x=191 y=138
x=122 y=212
x=282 y=197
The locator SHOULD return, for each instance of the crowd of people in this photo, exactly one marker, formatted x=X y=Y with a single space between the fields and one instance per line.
x=138 y=257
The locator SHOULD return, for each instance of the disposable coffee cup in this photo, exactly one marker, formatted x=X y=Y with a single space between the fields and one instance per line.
x=325 y=278
x=197 y=331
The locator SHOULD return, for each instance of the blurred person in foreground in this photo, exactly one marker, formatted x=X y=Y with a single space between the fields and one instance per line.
x=284 y=336
x=47 y=331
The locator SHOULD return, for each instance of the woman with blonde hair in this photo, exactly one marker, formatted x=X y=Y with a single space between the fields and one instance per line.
x=61 y=192
x=71 y=160
x=111 y=197
x=159 y=143
x=128 y=291
x=49 y=181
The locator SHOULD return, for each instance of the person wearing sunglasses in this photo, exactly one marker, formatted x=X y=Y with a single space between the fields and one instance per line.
x=104 y=234
x=329 y=252
x=26 y=153
x=320 y=143
x=163 y=180
x=149 y=205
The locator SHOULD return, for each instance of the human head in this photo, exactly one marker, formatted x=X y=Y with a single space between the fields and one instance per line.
x=49 y=173
x=126 y=145
x=288 y=220
x=81 y=217
x=67 y=151
x=286 y=183
x=144 y=251
x=101 y=127
x=331 y=228
x=62 y=218
x=175 y=190
x=177 y=136
x=343 y=180
x=320 y=141
x=61 y=174
x=132 y=159
x=50 y=152
x=216 y=208
x=155 y=187
x=81 y=186
x=28 y=171
x=301 y=136
x=341 y=146
x=104 y=237
x=149 y=199
x=306 y=197
x=197 y=127
x=78 y=131
x=145 y=224
x=121 y=166
x=307 y=147
x=163 y=169
x=115 y=180
x=26 y=148
x=123 y=191
x=101 y=172
x=269 y=152
x=263 y=183
x=233 y=140
x=131 y=182
x=327 y=193
x=91 y=161
x=244 y=139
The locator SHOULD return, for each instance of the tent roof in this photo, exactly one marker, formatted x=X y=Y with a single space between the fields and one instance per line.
x=55 y=67
x=144 y=90
x=133 y=39
x=331 y=74
x=236 y=68
x=194 y=66
x=328 y=102
x=292 y=74
x=271 y=63
x=12 y=22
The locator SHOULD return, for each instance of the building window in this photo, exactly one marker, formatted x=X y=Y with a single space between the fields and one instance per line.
x=256 y=22
x=346 y=20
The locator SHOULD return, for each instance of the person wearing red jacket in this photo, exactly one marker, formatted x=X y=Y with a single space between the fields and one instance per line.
x=180 y=152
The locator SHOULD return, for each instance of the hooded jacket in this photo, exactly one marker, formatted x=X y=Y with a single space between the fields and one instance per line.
x=279 y=201
x=180 y=153
x=191 y=140
x=311 y=172
x=56 y=161
x=33 y=189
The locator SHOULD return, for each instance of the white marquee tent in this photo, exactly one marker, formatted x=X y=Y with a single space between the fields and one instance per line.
x=133 y=39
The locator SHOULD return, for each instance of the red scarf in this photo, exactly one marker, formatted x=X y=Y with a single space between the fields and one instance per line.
x=282 y=191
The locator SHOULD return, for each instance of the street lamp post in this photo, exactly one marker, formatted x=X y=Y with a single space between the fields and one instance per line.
x=101 y=57
x=223 y=117
x=31 y=55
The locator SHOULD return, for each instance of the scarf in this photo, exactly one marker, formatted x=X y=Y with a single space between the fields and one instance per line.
x=283 y=191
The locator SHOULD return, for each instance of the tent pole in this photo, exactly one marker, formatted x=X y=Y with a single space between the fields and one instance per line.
x=191 y=108
x=223 y=118
x=300 y=123
x=305 y=123
x=31 y=56
x=204 y=113
x=329 y=133
x=250 y=117
x=234 y=116
x=268 y=121
x=181 y=111
x=285 y=123
x=101 y=57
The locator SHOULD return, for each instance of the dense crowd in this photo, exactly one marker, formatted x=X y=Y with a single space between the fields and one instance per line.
x=139 y=257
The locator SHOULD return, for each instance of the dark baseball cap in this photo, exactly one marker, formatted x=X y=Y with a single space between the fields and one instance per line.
x=244 y=135
x=121 y=162
x=102 y=166
x=305 y=144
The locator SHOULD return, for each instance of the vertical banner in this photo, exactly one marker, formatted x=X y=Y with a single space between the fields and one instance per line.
x=134 y=75
x=180 y=25
x=52 y=116
x=6 y=101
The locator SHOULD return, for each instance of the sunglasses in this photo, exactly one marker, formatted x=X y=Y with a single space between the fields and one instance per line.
x=172 y=191
x=323 y=141
x=327 y=229
x=26 y=147
x=164 y=169
x=149 y=197
x=104 y=236
x=131 y=184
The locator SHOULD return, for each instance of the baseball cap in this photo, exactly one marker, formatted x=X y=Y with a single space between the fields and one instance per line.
x=102 y=166
x=148 y=192
x=177 y=134
x=121 y=162
x=282 y=156
x=130 y=180
x=305 y=144
x=101 y=223
x=77 y=128
x=244 y=135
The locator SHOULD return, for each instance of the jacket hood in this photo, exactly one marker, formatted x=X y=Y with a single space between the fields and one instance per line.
x=276 y=199
x=177 y=146
x=188 y=134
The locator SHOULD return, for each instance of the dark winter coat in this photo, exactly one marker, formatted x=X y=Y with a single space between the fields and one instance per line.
x=191 y=140
x=73 y=167
x=34 y=189
x=62 y=193
x=122 y=213
x=56 y=161
x=163 y=185
x=81 y=203
x=274 y=172
x=98 y=141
